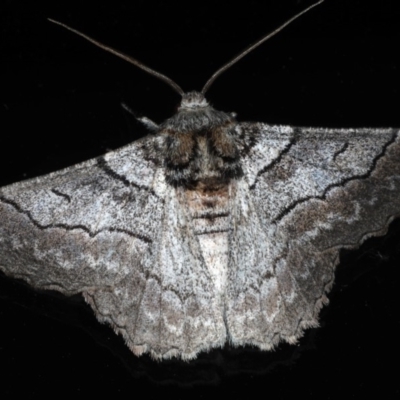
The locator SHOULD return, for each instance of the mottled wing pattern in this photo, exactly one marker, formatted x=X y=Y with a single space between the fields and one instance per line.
x=81 y=227
x=111 y=229
x=307 y=193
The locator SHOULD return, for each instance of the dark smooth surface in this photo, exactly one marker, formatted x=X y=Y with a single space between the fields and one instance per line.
x=338 y=66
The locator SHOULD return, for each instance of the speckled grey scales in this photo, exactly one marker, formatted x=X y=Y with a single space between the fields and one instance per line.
x=235 y=238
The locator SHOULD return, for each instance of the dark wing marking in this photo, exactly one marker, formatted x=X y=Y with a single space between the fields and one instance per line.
x=316 y=191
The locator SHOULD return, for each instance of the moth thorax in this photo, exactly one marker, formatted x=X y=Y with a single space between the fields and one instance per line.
x=209 y=155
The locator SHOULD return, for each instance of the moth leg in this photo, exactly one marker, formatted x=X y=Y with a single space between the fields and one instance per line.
x=147 y=122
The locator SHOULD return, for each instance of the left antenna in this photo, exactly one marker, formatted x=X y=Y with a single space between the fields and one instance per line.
x=125 y=57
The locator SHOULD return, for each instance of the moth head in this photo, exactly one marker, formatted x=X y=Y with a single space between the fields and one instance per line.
x=193 y=101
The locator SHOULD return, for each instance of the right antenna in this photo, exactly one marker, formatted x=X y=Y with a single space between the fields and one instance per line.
x=252 y=47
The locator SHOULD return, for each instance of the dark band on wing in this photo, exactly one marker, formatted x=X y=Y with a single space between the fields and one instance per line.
x=105 y=167
x=342 y=182
x=65 y=196
x=287 y=148
x=342 y=150
x=66 y=227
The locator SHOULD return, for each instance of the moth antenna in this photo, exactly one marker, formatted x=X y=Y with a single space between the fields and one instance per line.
x=253 y=46
x=125 y=57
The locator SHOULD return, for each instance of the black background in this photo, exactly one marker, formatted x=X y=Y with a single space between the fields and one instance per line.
x=338 y=66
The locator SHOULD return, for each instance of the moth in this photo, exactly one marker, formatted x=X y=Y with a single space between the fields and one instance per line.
x=206 y=231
